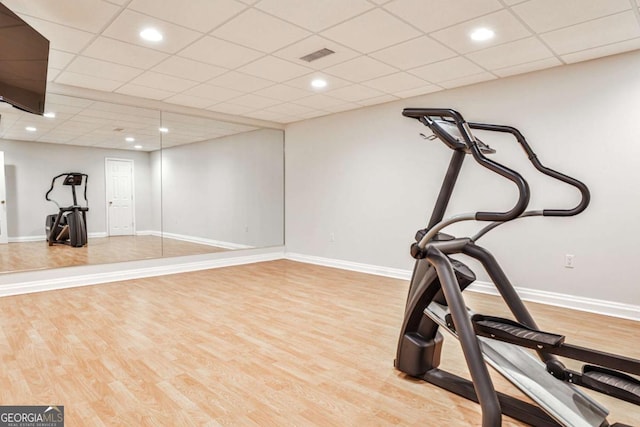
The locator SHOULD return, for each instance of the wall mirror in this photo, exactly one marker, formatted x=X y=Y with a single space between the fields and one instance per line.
x=160 y=183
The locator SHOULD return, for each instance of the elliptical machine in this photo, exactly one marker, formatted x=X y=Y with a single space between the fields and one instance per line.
x=435 y=302
x=69 y=225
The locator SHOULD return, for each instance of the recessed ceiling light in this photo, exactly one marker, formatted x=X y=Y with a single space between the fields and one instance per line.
x=30 y=129
x=163 y=130
x=129 y=139
x=151 y=34
x=482 y=34
x=319 y=83
x=50 y=115
x=137 y=147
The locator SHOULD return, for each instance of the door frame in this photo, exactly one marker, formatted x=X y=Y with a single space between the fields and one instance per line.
x=4 y=233
x=106 y=192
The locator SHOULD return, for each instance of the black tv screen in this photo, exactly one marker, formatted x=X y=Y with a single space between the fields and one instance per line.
x=24 y=56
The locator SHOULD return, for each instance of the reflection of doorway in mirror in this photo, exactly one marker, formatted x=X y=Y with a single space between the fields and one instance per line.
x=119 y=193
x=4 y=238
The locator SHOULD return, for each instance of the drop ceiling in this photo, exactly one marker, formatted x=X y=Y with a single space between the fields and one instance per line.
x=241 y=57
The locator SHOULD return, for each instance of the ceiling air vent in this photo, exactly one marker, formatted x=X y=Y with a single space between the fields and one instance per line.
x=317 y=55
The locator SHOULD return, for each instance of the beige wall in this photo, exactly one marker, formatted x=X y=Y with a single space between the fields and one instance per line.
x=367 y=178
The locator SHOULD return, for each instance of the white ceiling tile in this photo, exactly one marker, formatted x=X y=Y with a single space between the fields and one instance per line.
x=599 y=32
x=240 y=82
x=315 y=15
x=506 y=27
x=304 y=82
x=396 y=82
x=599 y=52
x=229 y=108
x=361 y=68
x=547 y=15
x=82 y=80
x=69 y=101
x=312 y=44
x=214 y=93
x=144 y=92
x=255 y=101
x=290 y=109
x=446 y=70
x=163 y=82
x=431 y=15
x=189 y=101
x=418 y=91
x=468 y=80
x=257 y=30
x=220 y=52
x=61 y=37
x=378 y=100
x=52 y=73
x=314 y=113
x=198 y=71
x=275 y=69
x=413 y=53
x=343 y=107
x=123 y=53
x=103 y=69
x=59 y=59
x=200 y=15
x=372 y=31
x=87 y=15
x=354 y=92
x=528 y=67
x=320 y=102
x=283 y=92
x=269 y=115
x=509 y=54
x=127 y=26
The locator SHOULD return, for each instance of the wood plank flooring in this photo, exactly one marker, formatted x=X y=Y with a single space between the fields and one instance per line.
x=269 y=344
x=39 y=255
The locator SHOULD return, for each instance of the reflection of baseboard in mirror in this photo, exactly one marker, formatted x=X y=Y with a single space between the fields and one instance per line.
x=35 y=255
x=182 y=157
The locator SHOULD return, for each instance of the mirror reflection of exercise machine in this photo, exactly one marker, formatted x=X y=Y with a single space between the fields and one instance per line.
x=69 y=225
x=517 y=349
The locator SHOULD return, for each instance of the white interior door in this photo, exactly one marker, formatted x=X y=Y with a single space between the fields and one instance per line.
x=4 y=237
x=120 y=203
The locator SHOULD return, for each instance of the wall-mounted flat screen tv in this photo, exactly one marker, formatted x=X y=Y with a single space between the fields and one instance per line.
x=24 y=55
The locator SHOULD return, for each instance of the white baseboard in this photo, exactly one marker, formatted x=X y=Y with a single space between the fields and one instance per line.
x=25 y=239
x=203 y=241
x=395 y=273
x=43 y=238
x=148 y=233
x=592 y=305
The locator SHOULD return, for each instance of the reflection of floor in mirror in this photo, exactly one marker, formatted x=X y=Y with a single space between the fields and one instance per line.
x=38 y=255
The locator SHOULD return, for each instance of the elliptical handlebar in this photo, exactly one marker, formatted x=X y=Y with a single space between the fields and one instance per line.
x=84 y=176
x=424 y=115
x=584 y=191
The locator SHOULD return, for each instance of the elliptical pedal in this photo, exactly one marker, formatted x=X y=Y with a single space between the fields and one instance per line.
x=514 y=332
x=611 y=382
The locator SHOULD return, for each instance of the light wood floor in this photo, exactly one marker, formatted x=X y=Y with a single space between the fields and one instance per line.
x=270 y=344
x=39 y=255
